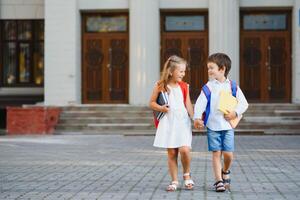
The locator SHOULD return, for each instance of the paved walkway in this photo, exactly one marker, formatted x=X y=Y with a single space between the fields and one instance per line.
x=118 y=167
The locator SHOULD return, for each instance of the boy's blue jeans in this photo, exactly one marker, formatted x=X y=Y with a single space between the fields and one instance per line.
x=220 y=140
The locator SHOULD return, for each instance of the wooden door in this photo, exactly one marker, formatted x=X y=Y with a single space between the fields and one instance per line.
x=266 y=59
x=192 y=45
x=105 y=67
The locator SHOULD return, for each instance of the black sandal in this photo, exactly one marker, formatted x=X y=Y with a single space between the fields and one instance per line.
x=219 y=186
x=226 y=181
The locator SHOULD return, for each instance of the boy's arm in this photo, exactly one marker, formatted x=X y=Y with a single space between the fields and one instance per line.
x=242 y=102
x=198 y=110
x=200 y=106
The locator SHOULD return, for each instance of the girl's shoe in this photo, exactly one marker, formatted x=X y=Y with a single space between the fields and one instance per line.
x=173 y=186
x=219 y=186
x=226 y=181
x=188 y=183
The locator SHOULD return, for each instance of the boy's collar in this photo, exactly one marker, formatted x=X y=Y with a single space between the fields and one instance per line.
x=216 y=81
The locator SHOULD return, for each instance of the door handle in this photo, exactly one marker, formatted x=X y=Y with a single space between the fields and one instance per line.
x=269 y=68
x=109 y=69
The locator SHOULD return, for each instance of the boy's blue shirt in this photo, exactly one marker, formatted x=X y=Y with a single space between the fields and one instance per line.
x=216 y=120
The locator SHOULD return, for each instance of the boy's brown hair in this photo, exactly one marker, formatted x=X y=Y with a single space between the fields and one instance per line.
x=222 y=60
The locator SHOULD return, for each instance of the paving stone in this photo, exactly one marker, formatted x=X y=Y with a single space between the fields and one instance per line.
x=116 y=167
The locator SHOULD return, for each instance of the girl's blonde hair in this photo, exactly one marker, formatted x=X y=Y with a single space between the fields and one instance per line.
x=168 y=69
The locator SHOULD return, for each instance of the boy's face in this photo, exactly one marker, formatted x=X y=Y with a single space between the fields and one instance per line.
x=214 y=72
x=179 y=72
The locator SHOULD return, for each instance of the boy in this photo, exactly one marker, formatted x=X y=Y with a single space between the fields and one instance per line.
x=220 y=134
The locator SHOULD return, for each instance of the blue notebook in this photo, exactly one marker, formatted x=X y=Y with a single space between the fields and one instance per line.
x=162 y=99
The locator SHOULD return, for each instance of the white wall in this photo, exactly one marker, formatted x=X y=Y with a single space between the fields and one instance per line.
x=144 y=50
x=224 y=32
x=22 y=9
x=296 y=53
x=184 y=4
x=97 y=5
x=62 y=52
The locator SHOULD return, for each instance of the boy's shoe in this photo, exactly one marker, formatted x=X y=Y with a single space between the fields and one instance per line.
x=188 y=183
x=226 y=181
x=219 y=186
x=173 y=186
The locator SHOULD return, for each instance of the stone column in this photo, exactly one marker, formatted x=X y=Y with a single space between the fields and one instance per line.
x=224 y=31
x=62 y=52
x=144 y=49
x=296 y=52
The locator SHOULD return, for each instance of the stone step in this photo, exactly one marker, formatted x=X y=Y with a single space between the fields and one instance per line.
x=271 y=119
x=125 y=107
x=106 y=126
x=150 y=126
x=117 y=107
x=97 y=120
x=137 y=120
x=117 y=114
x=113 y=119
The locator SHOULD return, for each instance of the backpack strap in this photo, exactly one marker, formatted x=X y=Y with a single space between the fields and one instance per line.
x=184 y=87
x=233 y=88
x=207 y=93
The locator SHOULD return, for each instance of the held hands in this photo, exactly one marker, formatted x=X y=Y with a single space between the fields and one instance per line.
x=165 y=108
x=231 y=115
x=198 y=124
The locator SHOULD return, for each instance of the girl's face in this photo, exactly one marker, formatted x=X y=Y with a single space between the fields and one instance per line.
x=214 y=72
x=179 y=72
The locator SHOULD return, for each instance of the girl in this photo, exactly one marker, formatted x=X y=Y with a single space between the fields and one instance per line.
x=174 y=129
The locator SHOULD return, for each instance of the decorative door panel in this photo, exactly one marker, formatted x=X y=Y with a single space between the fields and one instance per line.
x=197 y=70
x=118 y=70
x=93 y=62
x=251 y=59
x=105 y=58
x=186 y=36
x=279 y=62
x=266 y=56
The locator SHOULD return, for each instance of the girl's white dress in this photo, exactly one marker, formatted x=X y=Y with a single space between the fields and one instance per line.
x=174 y=129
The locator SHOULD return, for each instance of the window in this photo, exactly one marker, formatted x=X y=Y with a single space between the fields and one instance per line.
x=22 y=53
x=185 y=23
x=265 y=22
x=96 y=24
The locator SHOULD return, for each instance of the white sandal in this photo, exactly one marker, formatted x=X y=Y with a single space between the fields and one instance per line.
x=188 y=183
x=173 y=186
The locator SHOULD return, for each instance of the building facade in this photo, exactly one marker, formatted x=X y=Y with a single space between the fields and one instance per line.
x=112 y=51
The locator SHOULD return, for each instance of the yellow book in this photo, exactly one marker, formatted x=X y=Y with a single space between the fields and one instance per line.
x=227 y=103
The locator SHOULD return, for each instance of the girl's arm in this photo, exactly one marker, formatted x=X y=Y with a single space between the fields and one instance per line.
x=189 y=105
x=153 y=105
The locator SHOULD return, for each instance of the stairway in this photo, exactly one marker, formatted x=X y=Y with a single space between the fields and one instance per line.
x=137 y=120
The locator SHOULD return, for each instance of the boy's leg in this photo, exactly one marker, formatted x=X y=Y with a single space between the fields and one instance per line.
x=217 y=166
x=228 y=157
x=228 y=148
x=172 y=163
x=214 y=139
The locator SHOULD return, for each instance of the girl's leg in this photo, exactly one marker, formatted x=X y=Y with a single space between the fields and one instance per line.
x=216 y=162
x=185 y=160
x=172 y=163
x=186 y=165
